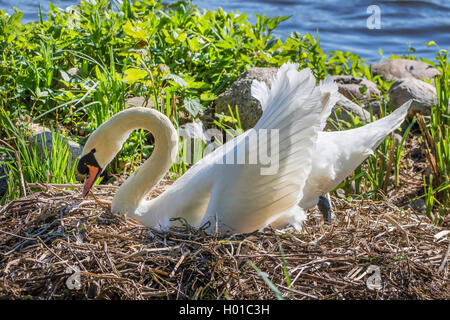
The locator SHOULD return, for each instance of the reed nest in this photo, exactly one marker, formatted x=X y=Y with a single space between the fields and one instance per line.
x=56 y=245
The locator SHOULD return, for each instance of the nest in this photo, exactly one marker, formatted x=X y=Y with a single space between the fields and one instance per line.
x=56 y=245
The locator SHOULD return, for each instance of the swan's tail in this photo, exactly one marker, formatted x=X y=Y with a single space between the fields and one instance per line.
x=339 y=153
x=379 y=129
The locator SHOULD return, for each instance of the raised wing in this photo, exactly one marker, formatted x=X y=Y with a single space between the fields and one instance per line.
x=245 y=196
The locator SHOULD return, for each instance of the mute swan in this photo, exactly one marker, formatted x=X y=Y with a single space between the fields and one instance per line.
x=233 y=197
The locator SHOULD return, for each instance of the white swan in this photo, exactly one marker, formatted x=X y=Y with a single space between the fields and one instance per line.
x=233 y=197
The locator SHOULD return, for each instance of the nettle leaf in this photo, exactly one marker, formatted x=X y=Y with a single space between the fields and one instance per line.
x=193 y=106
x=198 y=85
x=42 y=94
x=128 y=29
x=134 y=75
x=65 y=75
x=177 y=79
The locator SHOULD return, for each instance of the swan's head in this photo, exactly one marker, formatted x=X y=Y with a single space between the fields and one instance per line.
x=98 y=152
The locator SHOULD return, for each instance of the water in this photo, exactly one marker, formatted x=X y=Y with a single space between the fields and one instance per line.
x=342 y=24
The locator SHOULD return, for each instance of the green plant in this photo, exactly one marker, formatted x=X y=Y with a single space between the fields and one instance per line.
x=29 y=163
x=436 y=139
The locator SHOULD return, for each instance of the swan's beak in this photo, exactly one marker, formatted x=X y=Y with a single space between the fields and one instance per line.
x=91 y=177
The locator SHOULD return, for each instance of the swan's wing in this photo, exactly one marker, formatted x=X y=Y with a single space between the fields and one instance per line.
x=328 y=97
x=246 y=197
x=337 y=154
x=260 y=92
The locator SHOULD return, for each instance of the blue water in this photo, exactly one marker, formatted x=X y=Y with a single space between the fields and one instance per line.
x=342 y=24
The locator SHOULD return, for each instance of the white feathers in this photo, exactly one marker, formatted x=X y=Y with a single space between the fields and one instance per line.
x=338 y=154
x=260 y=92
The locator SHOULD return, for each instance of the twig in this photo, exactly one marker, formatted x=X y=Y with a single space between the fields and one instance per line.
x=67 y=185
x=444 y=260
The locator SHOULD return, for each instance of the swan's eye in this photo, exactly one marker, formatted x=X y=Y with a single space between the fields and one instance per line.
x=87 y=159
x=82 y=168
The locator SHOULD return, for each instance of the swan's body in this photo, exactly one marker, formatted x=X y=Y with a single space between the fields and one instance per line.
x=242 y=197
x=233 y=197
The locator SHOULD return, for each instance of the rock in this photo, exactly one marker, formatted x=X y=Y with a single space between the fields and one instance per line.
x=423 y=93
x=405 y=68
x=419 y=205
x=357 y=89
x=239 y=94
x=39 y=138
x=375 y=106
x=45 y=138
x=348 y=107
x=138 y=102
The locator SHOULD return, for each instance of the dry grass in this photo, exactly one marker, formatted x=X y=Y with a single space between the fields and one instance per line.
x=45 y=235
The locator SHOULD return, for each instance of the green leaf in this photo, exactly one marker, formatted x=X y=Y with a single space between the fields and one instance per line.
x=128 y=29
x=241 y=18
x=225 y=44
x=193 y=105
x=134 y=75
x=134 y=32
x=208 y=96
x=194 y=44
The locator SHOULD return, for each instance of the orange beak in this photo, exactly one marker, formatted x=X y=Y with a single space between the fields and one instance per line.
x=90 y=179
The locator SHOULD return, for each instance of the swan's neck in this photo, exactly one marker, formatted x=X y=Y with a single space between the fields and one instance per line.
x=139 y=184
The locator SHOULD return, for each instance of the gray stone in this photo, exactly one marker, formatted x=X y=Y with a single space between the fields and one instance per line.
x=423 y=93
x=404 y=68
x=138 y=102
x=239 y=94
x=375 y=106
x=45 y=138
x=347 y=107
x=419 y=205
x=357 y=89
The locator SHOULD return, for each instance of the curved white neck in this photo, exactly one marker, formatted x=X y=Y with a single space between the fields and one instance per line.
x=139 y=184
